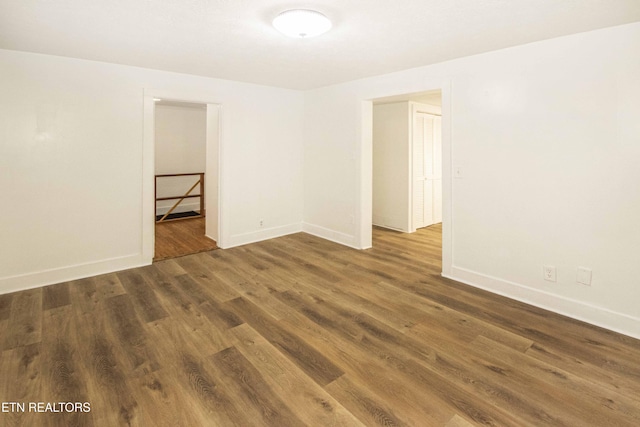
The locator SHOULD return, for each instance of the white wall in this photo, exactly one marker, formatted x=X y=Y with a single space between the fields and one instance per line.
x=548 y=138
x=391 y=166
x=180 y=147
x=71 y=144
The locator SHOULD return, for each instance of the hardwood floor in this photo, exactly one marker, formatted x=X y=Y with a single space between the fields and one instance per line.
x=182 y=237
x=301 y=331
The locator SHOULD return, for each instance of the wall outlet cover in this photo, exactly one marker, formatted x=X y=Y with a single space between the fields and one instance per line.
x=549 y=273
x=584 y=276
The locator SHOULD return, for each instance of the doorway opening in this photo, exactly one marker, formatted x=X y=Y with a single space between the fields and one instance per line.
x=407 y=166
x=181 y=171
x=180 y=158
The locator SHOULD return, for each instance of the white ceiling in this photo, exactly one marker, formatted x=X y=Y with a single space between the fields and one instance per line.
x=234 y=39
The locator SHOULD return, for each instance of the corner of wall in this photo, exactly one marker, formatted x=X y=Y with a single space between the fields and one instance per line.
x=334 y=236
x=260 y=235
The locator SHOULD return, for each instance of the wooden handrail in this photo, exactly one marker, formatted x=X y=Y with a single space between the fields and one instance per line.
x=173 y=198
x=178 y=174
x=182 y=197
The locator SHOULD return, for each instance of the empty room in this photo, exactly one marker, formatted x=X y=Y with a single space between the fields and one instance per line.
x=418 y=213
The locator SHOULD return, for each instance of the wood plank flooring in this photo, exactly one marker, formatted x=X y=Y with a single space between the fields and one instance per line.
x=180 y=238
x=299 y=331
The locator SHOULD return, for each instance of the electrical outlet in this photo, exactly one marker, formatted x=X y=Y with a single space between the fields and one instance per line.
x=261 y=222
x=584 y=276
x=549 y=273
x=458 y=172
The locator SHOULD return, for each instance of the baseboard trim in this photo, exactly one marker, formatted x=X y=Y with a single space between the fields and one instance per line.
x=387 y=227
x=182 y=207
x=389 y=223
x=598 y=316
x=265 y=234
x=327 y=234
x=73 y=272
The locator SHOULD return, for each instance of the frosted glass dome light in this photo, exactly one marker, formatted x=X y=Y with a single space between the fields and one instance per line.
x=302 y=23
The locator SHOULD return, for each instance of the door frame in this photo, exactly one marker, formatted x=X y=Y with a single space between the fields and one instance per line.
x=364 y=218
x=148 y=161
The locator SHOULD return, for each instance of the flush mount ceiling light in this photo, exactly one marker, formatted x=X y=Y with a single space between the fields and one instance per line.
x=302 y=23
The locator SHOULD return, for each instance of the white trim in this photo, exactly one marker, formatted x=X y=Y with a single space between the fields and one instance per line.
x=72 y=272
x=182 y=207
x=217 y=140
x=409 y=177
x=263 y=234
x=419 y=107
x=388 y=227
x=578 y=310
x=447 y=178
x=364 y=186
x=334 y=236
x=147 y=198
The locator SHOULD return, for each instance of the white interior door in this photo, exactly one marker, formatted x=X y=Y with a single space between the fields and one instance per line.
x=427 y=170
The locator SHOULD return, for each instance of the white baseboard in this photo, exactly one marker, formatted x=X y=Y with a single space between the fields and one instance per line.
x=390 y=223
x=72 y=272
x=390 y=228
x=574 y=309
x=182 y=207
x=260 y=235
x=334 y=236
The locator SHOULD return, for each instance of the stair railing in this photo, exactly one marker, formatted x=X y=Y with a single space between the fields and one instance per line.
x=181 y=198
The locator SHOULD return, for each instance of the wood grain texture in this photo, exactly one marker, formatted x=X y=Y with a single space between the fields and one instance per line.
x=251 y=391
x=311 y=403
x=63 y=373
x=179 y=238
x=5 y=306
x=55 y=296
x=301 y=331
x=25 y=320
